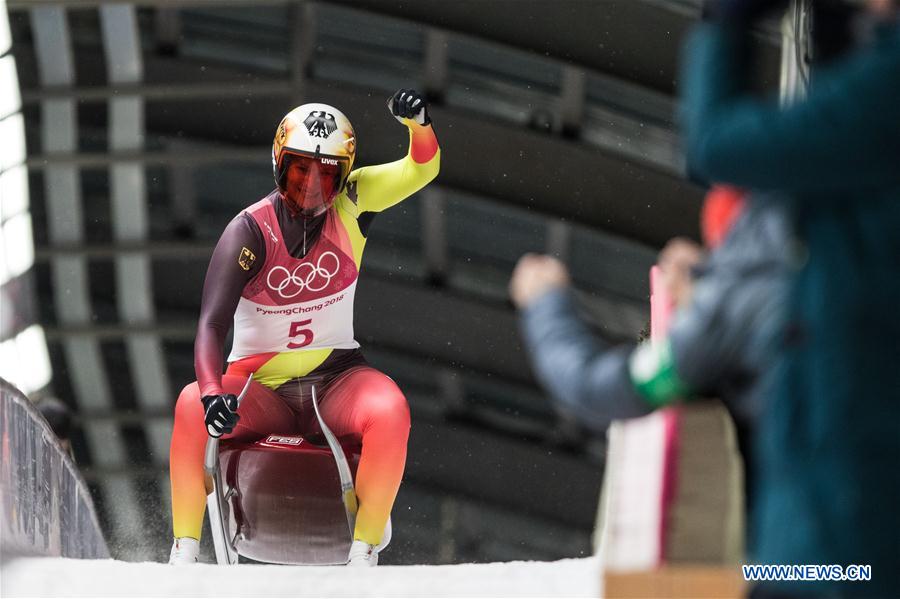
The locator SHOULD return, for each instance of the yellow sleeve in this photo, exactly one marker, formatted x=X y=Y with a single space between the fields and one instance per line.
x=381 y=186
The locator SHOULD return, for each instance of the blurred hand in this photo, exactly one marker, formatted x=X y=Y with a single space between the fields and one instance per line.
x=409 y=104
x=675 y=263
x=534 y=276
x=886 y=9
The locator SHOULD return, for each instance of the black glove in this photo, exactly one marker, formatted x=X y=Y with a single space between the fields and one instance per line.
x=220 y=413
x=739 y=11
x=409 y=104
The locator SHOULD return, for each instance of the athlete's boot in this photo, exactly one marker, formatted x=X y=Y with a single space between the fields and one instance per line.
x=185 y=550
x=363 y=555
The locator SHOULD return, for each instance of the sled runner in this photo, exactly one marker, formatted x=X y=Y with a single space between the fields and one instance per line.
x=283 y=499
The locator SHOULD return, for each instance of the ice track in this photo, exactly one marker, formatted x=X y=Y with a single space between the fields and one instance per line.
x=106 y=578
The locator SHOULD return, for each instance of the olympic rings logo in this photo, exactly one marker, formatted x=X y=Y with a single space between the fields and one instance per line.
x=305 y=276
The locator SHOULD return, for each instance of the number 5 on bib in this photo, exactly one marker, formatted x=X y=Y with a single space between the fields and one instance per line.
x=297 y=330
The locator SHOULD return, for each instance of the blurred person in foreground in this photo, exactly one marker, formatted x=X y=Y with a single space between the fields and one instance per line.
x=828 y=442
x=285 y=272
x=718 y=344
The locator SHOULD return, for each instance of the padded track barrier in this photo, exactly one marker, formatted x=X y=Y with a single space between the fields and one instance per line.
x=45 y=506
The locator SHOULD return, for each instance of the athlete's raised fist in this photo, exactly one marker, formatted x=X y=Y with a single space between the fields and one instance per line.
x=220 y=413
x=409 y=104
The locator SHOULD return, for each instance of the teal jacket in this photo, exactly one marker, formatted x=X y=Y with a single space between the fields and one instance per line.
x=828 y=444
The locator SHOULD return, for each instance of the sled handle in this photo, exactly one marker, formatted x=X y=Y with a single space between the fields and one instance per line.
x=348 y=493
x=211 y=457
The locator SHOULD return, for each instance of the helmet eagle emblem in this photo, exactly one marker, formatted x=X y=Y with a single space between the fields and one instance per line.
x=320 y=123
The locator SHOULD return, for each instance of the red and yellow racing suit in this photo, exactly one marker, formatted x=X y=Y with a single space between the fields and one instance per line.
x=288 y=286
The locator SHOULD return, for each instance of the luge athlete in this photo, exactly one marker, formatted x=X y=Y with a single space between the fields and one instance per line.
x=285 y=272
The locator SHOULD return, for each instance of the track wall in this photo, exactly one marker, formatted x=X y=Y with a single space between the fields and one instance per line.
x=45 y=506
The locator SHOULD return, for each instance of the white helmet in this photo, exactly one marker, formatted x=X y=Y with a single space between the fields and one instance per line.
x=312 y=155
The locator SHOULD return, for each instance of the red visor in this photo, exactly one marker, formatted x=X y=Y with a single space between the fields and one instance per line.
x=310 y=182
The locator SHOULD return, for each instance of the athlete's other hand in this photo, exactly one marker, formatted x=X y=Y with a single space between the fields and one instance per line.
x=534 y=276
x=220 y=413
x=409 y=104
